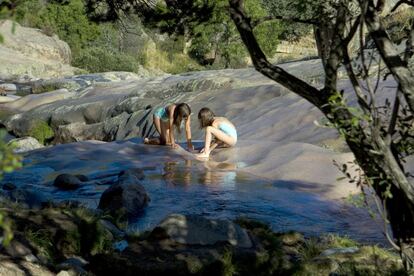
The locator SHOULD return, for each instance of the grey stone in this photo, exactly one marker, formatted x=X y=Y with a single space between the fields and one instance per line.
x=8 y=186
x=127 y=196
x=137 y=172
x=31 y=198
x=67 y=182
x=25 y=144
x=198 y=230
x=17 y=250
x=29 y=52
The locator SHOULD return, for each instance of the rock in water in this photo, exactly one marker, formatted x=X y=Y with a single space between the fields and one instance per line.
x=198 y=230
x=67 y=182
x=25 y=144
x=127 y=196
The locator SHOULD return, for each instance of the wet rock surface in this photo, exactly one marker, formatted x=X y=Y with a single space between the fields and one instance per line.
x=127 y=196
x=67 y=182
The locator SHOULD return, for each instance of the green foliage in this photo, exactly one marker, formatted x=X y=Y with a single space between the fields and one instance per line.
x=42 y=240
x=41 y=131
x=68 y=21
x=310 y=249
x=96 y=59
x=218 y=41
x=9 y=161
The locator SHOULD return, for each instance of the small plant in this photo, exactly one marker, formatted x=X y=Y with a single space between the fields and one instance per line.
x=41 y=131
x=310 y=249
x=337 y=241
x=41 y=239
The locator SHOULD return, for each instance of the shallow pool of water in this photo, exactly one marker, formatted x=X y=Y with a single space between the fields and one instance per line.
x=177 y=185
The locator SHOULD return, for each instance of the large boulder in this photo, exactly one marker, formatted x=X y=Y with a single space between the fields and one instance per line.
x=199 y=230
x=126 y=197
x=28 y=51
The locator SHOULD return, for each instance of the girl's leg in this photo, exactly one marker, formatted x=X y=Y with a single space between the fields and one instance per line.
x=163 y=134
x=161 y=129
x=157 y=123
x=167 y=133
x=219 y=135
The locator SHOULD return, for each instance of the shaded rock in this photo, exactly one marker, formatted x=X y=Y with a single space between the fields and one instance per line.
x=137 y=172
x=8 y=186
x=31 y=198
x=17 y=250
x=25 y=144
x=127 y=196
x=82 y=177
x=198 y=230
x=67 y=182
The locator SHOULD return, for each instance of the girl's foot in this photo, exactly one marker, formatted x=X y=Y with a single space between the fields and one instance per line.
x=146 y=140
x=202 y=155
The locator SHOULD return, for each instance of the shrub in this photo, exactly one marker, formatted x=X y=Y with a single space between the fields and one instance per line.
x=98 y=59
x=41 y=131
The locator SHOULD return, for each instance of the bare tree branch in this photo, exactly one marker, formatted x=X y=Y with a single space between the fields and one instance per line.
x=389 y=54
x=261 y=63
x=401 y=2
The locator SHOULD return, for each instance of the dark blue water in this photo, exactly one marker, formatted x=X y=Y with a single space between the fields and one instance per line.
x=177 y=185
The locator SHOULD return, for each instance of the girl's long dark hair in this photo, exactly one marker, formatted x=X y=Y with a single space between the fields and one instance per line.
x=206 y=117
x=181 y=111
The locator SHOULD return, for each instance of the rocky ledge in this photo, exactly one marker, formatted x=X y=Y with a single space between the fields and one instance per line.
x=76 y=241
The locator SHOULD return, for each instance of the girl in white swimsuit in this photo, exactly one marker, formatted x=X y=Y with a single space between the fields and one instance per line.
x=219 y=127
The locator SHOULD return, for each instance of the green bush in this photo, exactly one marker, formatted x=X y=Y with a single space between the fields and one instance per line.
x=68 y=21
x=41 y=131
x=97 y=59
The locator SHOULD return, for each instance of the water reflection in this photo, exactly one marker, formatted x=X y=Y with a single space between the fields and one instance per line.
x=185 y=174
x=217 y=190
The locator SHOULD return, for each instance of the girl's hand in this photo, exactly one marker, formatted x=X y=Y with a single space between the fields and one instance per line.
x=174 y=146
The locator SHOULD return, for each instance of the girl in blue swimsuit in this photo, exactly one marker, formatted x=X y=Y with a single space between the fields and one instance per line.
x=164 y=120
x=219 y=127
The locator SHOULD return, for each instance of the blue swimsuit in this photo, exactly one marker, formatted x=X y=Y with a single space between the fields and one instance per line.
x=228 y=129
x=162 y=113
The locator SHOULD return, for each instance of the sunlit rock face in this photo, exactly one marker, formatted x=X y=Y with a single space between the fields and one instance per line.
x=29 y=52
x=281 y=135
